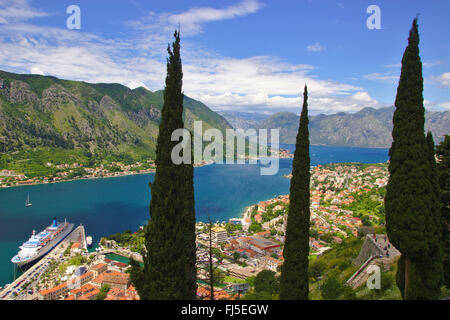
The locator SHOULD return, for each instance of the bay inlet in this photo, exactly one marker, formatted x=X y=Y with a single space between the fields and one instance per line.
x=106 y=206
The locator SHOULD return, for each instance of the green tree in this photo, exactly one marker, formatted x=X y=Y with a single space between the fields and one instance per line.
x=443 y=152
x=255 y=227
x=366 y=221
x=332 y=289
x=236 y=256
x=136 y=275
x=103 y=292
x=317 y=268
x=266 y=281
x=294 y=273
x=251 y=281
x=412 y=205
x=169 y=264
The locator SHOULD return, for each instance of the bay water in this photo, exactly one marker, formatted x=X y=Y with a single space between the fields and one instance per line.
x=110 y=205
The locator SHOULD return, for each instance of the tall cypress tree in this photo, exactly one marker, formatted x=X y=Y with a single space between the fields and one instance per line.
x=433 y=275
x=412 y=206
x=294 y=272
x=443 y=152
x=169 y=263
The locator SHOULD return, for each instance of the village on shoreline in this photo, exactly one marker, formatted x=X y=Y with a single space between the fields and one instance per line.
x=79 y=171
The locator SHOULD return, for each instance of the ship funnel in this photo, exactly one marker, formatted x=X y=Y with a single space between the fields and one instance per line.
x=54 y=225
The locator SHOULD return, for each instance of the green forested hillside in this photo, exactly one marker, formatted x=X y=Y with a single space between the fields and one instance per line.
x=43 y=118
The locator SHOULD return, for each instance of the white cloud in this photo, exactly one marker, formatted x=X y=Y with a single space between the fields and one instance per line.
x=11 y=11
x=445 y=105
x=192 y=21
x=362 y=96
x=436 y=105
x=388 y=77
x=316 y=47
x=443 y=80
x=259 y=83
x=263 y=83
x=424 y=64
x=135 y=84
x=36 y=70
x=264 y=103
x=395 y=65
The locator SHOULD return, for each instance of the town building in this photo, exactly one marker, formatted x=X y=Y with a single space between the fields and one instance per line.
x=63 y=289
x=116 y=280
x=219 y=234
x=260 y=245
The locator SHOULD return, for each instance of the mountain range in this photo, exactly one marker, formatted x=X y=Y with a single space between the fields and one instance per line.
x=243 y=120
x=48 y=116
x=368 y=127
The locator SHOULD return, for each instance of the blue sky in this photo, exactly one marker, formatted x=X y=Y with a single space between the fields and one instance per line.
x=246 y=55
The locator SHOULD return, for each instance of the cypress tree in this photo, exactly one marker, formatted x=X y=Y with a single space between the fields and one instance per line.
x=434 y=274
x=443 y=152
x=136 y=275
x=169 y=263
x=412 y=206
x=294 y=273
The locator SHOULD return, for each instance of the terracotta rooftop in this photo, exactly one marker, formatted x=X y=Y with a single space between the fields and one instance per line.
x=116 y=277
x=99 y=266
x=89 y=295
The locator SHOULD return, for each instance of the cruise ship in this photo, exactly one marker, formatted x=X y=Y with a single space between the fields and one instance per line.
x=40 y=244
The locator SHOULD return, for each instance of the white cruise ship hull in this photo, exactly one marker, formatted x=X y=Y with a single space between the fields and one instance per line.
x=48 y=247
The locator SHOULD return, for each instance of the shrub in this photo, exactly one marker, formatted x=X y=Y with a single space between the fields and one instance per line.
x=332 y=289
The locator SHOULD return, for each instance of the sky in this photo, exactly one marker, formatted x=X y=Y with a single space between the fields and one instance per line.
x=240 y=55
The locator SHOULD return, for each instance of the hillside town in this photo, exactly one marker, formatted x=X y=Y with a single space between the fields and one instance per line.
x=345 y=198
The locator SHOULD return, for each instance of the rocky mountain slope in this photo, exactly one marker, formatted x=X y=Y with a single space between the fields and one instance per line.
x=46 y=112
x=243 y=120
x=366 y=128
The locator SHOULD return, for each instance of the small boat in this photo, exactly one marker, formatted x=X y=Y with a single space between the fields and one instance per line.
x=28 y=203
x=89 y=241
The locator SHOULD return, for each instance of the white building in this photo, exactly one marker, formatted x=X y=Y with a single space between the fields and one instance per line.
x=219 y=234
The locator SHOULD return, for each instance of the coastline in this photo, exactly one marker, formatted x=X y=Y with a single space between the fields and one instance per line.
x=284 y=154
x=91 y=178
x=72 y=180
x=239 y=212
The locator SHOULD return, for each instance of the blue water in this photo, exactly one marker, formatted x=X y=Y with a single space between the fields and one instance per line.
x=106 y=206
